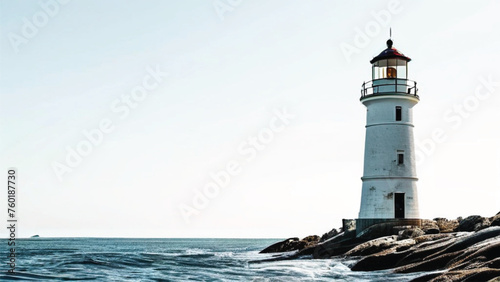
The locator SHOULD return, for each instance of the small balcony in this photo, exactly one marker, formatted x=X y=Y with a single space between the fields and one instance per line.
x=389 y=86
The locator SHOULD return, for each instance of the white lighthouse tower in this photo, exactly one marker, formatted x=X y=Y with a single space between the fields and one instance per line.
x=389 y=191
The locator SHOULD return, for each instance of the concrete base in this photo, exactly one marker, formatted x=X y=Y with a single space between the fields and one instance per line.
x=388 y=223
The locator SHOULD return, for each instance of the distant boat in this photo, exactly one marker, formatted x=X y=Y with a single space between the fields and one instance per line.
x=35 y=236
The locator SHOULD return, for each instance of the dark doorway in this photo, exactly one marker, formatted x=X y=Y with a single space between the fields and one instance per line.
x=399 y=205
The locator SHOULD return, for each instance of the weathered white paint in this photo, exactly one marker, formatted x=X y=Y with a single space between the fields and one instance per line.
x=383 y=176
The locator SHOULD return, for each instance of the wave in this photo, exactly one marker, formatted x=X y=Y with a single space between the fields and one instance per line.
x=174 y=260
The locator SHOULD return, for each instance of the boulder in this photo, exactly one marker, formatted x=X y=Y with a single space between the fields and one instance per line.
x=495 y=221
x=426 y=245
x=406 y=252
x=383 y=253
x=287 y=245
x=478 y=255
x=329 y=235
x=429 y=227
x=467 y=252
x=309 y=241
x=410 y=233
x=292 y=244
x=372 y=246
x=469 y=240
x=379 y=230
x=383 y=260
x=445 y=225
x=335 y=246
x=473 y=223
x=436 y=263
x=479 y=274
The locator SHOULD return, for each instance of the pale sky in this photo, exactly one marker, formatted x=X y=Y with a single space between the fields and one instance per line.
x=157 y=96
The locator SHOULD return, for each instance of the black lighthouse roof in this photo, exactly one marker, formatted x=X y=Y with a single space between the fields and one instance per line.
x=390 y=53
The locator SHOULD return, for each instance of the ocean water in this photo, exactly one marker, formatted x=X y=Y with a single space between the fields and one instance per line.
x=107 y=259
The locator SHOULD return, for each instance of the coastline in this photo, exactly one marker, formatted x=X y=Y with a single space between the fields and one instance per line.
x=464 y=249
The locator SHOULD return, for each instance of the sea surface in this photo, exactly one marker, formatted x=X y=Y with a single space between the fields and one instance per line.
x=108 y=259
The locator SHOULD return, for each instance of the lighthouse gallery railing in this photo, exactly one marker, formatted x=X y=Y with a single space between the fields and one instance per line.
x=389 y=86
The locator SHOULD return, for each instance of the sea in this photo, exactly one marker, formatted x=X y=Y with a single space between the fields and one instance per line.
x=120 y=259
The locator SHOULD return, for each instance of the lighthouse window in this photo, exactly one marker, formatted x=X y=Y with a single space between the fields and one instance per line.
x=398 y=113
x=401 y=158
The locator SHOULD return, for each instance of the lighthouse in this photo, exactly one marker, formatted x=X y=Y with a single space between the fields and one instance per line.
x=389 y=190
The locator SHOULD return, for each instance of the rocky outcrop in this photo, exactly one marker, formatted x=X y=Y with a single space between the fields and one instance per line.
x=430 y=227
x=454 y=252
x=287 y=245
x=495 y=221
x=460 y=250
x=329 y=235
x=473 y=223
x=412 y=232
x=446 y=225
x=292 y=244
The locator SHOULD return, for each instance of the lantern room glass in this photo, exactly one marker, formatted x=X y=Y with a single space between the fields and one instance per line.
x=390 y=69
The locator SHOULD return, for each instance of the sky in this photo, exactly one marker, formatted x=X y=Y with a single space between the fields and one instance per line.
x=235 y=118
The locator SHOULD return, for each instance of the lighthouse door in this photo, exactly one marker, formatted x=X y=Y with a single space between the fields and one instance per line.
x=399 y=205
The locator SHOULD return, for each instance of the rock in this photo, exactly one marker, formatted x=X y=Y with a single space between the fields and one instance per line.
x=310 y=241
x=431 y=231
x=426 y=245
x=445 y=225
x=410 y=233
x=292 y=244
x=429 y=227
x=470 y=239
x=479 y=274
x=329 y=235
x=380 y=230
x=495 y=221
x=436 y=263
x=283 y=246
x=372 y=246
x=383 y=260
x=387 y=248
x=473 y=223
x=477 y=248
x=335 y=246
x=478 y=256
x=451 y=256
x=311 y=238
x=405 y=252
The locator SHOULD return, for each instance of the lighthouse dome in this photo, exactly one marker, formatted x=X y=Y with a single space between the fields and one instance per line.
x=390 y=53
